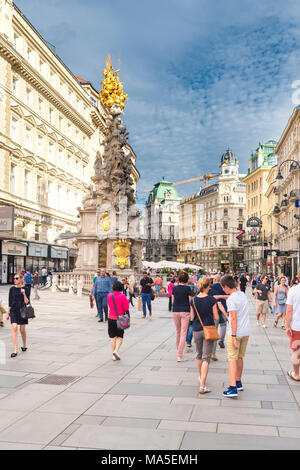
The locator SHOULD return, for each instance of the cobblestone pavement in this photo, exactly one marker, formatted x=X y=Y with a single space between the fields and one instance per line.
x=147 y=395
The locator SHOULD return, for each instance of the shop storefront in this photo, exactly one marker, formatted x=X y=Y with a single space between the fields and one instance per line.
x=16 y=256
x=13 y=255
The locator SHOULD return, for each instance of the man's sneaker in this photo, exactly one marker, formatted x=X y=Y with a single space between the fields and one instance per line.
x=239 y=386
x=264 y=326
x=221 y=344
x=257 y=322
x=230 y=392
x=114 y=358
x=188 y=345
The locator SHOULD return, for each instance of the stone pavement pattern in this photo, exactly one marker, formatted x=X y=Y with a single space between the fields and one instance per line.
x=147 y=396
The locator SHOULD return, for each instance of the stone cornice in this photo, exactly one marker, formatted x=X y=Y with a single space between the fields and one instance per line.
x=27 y=71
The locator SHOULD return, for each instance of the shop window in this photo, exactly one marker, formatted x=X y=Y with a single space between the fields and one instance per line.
x=37 y=232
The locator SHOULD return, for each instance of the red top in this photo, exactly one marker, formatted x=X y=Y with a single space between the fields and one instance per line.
x=122 y=304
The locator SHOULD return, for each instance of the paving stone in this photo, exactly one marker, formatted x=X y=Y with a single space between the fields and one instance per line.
x=37 y=428
x=131 y=422
x=141 y=410
x=92 y=420
x=135 y=439
x=208 y=441
x=93 y=385
x=70 y=403
x=159 y=390
x=30 y=397
x=19 y=446
x=289 y=432
x=9 y=381
x=147 y=399
x=187 y=426
x=247 y=429
x=259 y=417
x=267 y=405
x=281 y=405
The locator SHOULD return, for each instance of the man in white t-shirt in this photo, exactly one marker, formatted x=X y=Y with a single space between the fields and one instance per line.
x=293 y=328
x=238 y=333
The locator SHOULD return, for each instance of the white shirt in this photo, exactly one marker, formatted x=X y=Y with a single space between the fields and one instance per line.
x=44 y=272
x=293 y=299
x=238 y=302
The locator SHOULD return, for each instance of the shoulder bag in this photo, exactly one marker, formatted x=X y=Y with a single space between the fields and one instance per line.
x=27 y=312
x=123 y=321
x=210 y=332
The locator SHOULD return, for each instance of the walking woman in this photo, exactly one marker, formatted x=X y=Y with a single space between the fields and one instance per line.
x=116 y=300
x=36 y=285
x=280 y=296
x=18 y=296
x=181 y=299
x=205 y=307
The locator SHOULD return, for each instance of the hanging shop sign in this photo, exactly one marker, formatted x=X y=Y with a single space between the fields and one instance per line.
x=14 y=248
x=254 y=222
x=59 y=253
x=40 y=251
x=6 y=219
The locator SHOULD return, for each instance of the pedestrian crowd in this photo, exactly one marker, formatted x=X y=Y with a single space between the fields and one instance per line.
x=211 y=310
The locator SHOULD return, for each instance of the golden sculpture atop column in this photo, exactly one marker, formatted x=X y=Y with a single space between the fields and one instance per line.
x=112 y=91
x=122 y=253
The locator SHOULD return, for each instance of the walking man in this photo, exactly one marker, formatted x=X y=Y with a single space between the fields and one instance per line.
x=293 y=328
x=237 y=336
x=44 y=276
x=102 y=287
x=145 y=292
x=263 y=300
x=218 y=293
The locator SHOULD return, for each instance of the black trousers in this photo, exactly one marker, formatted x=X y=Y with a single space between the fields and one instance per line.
x=170 y=304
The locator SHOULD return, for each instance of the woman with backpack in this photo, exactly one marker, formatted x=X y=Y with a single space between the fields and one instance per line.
x=280 y=296
x=118 y=303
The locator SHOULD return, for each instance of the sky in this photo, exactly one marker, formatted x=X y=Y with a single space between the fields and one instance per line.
x=201 y=75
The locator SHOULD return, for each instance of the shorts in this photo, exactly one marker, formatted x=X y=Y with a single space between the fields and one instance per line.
x=204 y=348
x=262 y=307
x=234 y=354
x=113 y=331
x=157 y=288
x=295 y=340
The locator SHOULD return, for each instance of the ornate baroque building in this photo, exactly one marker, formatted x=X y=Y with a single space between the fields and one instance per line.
x=257 y=184
x=161 y=222
x=51 y=128
x=211 y=219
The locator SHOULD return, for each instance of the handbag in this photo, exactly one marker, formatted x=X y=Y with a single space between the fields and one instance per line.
x=123 y=321
x=152 y=294
x=27 y=312
x=210 y=332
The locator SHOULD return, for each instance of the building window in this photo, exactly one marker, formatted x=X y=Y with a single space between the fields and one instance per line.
x=225 y=225
x=40 y=106
x=12 y=179
x=60 y=123
x=28 y=96
x=38 y=188
x=26 y=184
x=37 y=232
x=14 y=86
x=28 y=138
x=225 y=240
x=51 y=153
x=225 y=212
x=240 y=212
x=14 y=129
x=51 y=112
x=15 y=43
x=40 y=145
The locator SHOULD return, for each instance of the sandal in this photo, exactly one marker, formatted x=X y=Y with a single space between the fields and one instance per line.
x=13 y=354
x=291 y=376
x=1 y=323
x=275 y=323
x=204 y=390
x=24 y=349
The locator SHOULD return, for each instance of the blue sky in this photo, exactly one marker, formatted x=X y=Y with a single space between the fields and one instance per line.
x=201 y=75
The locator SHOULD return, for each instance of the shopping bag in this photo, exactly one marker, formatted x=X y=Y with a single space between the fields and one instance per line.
x=140 y=308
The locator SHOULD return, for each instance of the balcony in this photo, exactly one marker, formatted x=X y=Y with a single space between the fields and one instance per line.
x=284 y=204
x=294 y=194
x=276 y=210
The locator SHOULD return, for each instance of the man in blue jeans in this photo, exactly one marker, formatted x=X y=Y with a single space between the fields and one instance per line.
x=145 y=292
x=102 y=287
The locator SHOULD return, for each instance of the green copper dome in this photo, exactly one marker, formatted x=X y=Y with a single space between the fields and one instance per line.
x=163 y=190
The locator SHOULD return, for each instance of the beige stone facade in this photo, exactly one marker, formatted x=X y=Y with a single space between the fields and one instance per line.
x=288 y=149
x=51 y=127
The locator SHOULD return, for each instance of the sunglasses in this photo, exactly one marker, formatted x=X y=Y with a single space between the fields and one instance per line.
x=16 y=278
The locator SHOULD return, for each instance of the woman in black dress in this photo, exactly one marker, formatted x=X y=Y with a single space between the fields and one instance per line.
x=18 y=295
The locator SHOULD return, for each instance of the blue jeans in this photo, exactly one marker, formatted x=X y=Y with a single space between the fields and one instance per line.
x=189 y=335
x=101 y=302
x=146 y=299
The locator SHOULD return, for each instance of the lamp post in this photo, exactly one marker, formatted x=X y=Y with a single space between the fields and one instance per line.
x=294 y=166
x=271 y=242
